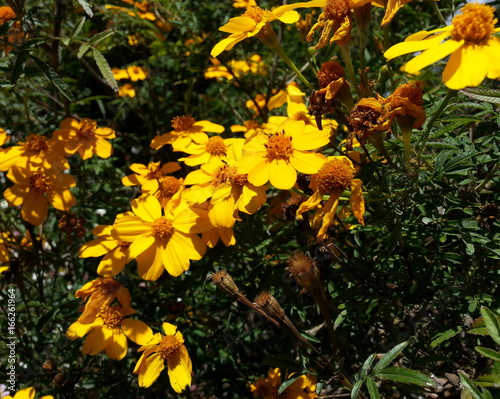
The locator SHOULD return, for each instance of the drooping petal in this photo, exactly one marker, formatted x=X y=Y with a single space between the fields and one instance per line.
x=78 y=330
x=61 y=199
x=154 y=365
x=114 y=262
x=96 y=341
x=227 y=43
x=357 y=201
x=35 y=208
x=179 y=370
x=117 y=346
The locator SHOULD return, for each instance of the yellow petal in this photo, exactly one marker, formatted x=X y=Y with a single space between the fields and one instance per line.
x=103 y=148
x=259 y=174
x=78 y=330
x=117 y=346
x=149 y=264
x=282 y=175
x=140 y=244
x=147 y=207
x=114 y=262
x=25 y=393
x=357 y=201
x=238 y=25
x=179 y=370
x=137 y=331
x=61 y=199
x=96 y=341
x=227 y=43
x=97 y=247
x=153 y=367
x=222 y=213
x=412 y=46
x=307 y=162
x=35 y=208
x=432 y=55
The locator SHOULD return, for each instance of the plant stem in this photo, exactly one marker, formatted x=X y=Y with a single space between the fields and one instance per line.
x=423 y=140
x=346 y=55
x=438 y=12
x=278 y=50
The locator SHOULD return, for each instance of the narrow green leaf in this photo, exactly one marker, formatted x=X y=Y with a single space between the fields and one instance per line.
x=492 y=354
x=487 y=95
x=491 y=322
x=86 y=7
x=53 y=77
x=366 y=365
x=444 y=336
x=372 y=388
x=486 y=394
x=32 y=43
x=407 y=376
x=356 y=388
x=103 y=66
x=100 y=37
x=469 y=385
x=340 y=318
x=18 y=69
x=389 y=357
x=287 y=383
x=478 y=331
x=82 y=50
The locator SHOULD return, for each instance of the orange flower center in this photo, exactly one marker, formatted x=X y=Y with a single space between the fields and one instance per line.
x=411 y=91
x=251 y=125
x=337 y=9
x=475 y=24
x=169 y=346
x=111 y=317
x=36 y=143
x=6 y=14
x=279 y=146
x=216 y=146
x=86 y=130
x=162 y=228
x=169 y=185
x=334 y=175
x=180 y=123
x=256 y=13
x=227 y=174
x=329 y=72
x=40 y=183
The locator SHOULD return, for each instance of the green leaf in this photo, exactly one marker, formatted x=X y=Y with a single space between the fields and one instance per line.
x=103 y=66
x=366 y=365
x=389 y=357
x=491 y=322
x=18 y=69
x=82 y=50
x=86 y=7
x=356 y=388
x=372 y=388
x=407 y=376
x=469 y=385
x=492 y=354
x=53 y=77
x=444 y=336
x=487 y=95
x=32 y=43
x=287 y=383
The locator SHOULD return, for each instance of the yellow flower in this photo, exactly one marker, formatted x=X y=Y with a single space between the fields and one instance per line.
x=133 y=13
x=170 y=348
x=27 y=393
x=85 y=137
x=33 y=153
x=244 y=3
x=211 y=150
x=186 y=131
x=115 y=251
x=160 y=241
x=249 y=128
x=119 y=74
x=15 y=33
x=109 y=332
x=136 y=73
x=34 y=190
x=474 y=51
x=170 y=192
x=303 y=387
x=237 y=68
x=127 y=90
x=98 y=293
x=333 y=178
x=229 y=191
x=149 y=176
x=254 y=22
x=257 y=104
x=278 y=157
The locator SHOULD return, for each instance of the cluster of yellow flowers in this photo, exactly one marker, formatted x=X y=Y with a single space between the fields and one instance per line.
x=38 y=165
x=132 y=72
x=27 y=393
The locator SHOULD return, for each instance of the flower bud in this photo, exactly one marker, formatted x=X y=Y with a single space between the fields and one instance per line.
x=270 y=305
x=223 y=281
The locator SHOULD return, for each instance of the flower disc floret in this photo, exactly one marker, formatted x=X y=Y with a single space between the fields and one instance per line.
x=111 y=316
x=169 y=186
x=87 y=129
x=216 y=146
x=169 y=346
x=162 y=228
x=256 y=13
x=335 y=175
x=36 y=143
x=337 y=9
x=475 y=24
x=180 y=123
x=279 y=146
x=40 y=183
